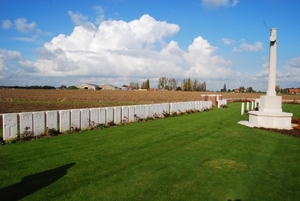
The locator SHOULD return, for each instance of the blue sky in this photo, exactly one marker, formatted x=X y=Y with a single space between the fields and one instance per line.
x=64 y=42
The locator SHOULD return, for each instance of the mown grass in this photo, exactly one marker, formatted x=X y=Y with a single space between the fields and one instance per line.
x=200 y=156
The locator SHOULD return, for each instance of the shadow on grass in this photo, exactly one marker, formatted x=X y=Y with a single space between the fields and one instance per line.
x=33 y=183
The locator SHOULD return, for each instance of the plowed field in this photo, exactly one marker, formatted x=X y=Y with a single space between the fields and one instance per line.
x=26 y=100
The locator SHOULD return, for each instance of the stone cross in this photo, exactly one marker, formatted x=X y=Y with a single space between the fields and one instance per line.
x=272 y=64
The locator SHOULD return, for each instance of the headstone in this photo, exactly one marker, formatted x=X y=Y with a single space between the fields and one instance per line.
x=147 y=111
x=38 y=123
x=51 y=119
x=84 y=118
x=242 y=109
x=75 y=120
x=137 y=111
x=25 y=122
x=247 y=106
x=109 y=115
x=117 y=115
x=131 y=113
x=102 y=116
x=10 y=126
x=94 y=116
x=125 y=114
x=64 y=120
x=166 y=107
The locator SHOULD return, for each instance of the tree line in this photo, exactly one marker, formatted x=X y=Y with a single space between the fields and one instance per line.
x=187 y=84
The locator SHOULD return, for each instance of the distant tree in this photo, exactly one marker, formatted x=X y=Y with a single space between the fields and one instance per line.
x=172 y=83
x=224 y=88
x=250 y=89
x=134 y=85
x=202 y=86
x=178 y=88
x=242 y=89
x=194 y=84
x=277 y=89
x=186 y=83
x=162 y=82
x=72 y=87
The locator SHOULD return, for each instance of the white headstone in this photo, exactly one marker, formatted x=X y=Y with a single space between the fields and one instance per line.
x=51 y=119
x=75 y=119
x=38 y=123
x=151 y=110
x=137 y=111
x=125 y=114
x=242 y=109
x=102 y=116
x=131 y=113
x=84 y=118
x=64 y=120
x=25 y=122
x=109 y=114
x=117 y=115
x=10 y=126
x=94 y=116
x=147 y=111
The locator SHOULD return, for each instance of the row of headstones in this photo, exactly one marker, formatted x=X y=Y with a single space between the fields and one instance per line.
x=222 y=102
x=83 y=118
x=254 y=104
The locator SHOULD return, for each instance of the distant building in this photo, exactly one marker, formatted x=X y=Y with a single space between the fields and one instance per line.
x=294 y=91
x=88 y=86
x=109 y=87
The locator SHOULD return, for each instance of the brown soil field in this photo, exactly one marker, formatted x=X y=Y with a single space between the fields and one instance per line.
x=29 y=100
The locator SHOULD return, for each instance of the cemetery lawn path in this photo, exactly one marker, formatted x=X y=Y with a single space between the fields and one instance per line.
x=200 y=156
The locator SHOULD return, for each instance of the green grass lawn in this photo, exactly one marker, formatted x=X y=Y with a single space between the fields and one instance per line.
x=200 y=156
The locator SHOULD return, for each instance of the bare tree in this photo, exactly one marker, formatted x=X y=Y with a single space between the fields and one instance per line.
x=162 y=82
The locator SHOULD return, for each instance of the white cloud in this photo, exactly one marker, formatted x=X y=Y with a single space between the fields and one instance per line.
x=293 y=68
x=100 y=14
x=244 y=47
x=227 y=41
x=214 y=4
x=81 y=20
x=6 y=24
x=134 y=49
x=24 y=27
x=24 y=39
x=7 y=57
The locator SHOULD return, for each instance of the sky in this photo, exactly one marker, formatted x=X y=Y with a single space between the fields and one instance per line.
x=66 y=42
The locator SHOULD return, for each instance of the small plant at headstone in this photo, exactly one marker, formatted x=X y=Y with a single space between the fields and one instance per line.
x=149 y=118
x=155 y=115
x=125 y=120
x=173 y=114
x=137 y=118
x=101 y=126
x=223 y=106
x=27 y=134
x=51 y=132
x=111 y=123
x=74 y=129
x=166 y=114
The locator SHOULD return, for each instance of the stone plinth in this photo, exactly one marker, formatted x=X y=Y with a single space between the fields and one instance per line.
x=280 y=120
x=270 y=104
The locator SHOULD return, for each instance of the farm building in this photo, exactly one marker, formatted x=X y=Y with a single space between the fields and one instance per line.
x=294 y=91
x=109 y=87
x=88 y=86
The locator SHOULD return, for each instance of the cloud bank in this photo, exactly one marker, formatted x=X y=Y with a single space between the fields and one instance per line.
x=125 y=49
x=118 y=52
x=215 y=4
